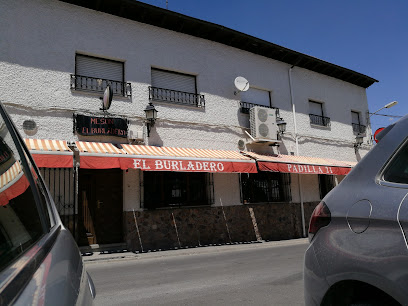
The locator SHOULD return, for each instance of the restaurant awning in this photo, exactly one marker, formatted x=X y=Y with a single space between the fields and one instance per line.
x=99 y=155
x=150 y=158
x=300 y=164
x=13 y=183
x=50 y=153
x=96 y=155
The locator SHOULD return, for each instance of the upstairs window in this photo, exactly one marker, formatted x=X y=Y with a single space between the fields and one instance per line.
x=356 y=124
x=316 y=114
x=93 y=74
x=255 y=97
x=174 y=87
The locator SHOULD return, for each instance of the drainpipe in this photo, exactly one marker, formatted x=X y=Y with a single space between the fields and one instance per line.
x=293 y=110
x=302 y=209
x=76 y=204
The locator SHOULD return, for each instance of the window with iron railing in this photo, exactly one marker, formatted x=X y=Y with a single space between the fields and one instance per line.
x=94 y=74
x=356 y=123
x=319 y=120
x=176 y=97
x=358 y=128
x=175 y=87
x=91 y=84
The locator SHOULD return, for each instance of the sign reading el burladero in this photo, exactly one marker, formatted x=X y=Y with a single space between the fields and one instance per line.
x=91 y=125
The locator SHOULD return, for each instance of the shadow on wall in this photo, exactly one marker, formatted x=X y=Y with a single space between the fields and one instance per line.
x=192 y=227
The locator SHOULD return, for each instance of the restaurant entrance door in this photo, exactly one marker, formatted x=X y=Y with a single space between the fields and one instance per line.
x=101 y=205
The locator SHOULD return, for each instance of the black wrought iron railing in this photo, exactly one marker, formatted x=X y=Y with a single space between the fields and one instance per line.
x=246 y=106
x=319 y=120
x=91 y=84
x=177 y=97
x=358 y=128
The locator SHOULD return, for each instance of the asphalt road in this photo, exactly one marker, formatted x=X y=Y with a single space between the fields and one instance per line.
x=258 y=274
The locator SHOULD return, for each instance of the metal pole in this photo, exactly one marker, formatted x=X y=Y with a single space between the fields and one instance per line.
x=137 y=228
x=301 y=205
x=226 y=223
x=297 y=150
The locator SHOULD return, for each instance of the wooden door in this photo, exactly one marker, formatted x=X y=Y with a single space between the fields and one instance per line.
x=101 y=198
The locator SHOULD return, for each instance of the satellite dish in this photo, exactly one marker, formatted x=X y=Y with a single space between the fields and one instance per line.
x=107 y=98
x=241 y=84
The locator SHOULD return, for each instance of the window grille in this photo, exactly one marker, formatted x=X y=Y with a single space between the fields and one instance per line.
x=265 y=187
x=316 y=114
x=162 y=189
x=356 y=124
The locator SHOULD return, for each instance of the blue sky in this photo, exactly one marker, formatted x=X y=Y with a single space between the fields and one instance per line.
x=368 y=36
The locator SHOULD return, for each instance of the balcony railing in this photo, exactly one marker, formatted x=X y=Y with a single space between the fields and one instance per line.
x=246 y=106
x=319 y=120
x=91 y=84
x=177 y=97
x=358 y=128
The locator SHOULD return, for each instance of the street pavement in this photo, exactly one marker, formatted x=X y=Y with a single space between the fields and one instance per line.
x=268 y=273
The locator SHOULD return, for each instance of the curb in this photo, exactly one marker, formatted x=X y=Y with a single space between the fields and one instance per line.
x=125 y=255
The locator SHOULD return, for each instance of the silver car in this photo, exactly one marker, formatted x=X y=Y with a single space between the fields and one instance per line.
x=40 y=263
x=358 y=252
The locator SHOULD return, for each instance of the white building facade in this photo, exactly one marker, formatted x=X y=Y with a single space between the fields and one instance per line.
x=56 y=60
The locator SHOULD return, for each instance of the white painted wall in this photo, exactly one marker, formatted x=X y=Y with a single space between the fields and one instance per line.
x=39 y=39
x=35 y=80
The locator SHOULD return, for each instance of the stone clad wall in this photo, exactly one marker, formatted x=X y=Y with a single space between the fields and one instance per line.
x=190 y=227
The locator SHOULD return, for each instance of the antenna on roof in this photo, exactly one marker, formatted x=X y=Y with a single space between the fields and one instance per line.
x=167 y=4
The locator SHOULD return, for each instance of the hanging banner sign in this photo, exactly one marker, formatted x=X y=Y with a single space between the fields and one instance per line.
x=302 y=169
x=90 y=125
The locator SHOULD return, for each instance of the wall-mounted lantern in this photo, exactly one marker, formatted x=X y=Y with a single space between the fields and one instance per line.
x=151 y=116
x=281 y=125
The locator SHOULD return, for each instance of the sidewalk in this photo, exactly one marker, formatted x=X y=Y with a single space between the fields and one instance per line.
x=123 y=254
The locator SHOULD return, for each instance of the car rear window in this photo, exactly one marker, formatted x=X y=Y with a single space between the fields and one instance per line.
x=23 y=218
x=397 y=172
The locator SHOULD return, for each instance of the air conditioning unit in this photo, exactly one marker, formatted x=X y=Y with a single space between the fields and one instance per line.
x=263 y=124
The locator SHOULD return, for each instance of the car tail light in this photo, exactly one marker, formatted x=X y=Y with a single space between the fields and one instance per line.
x=321 y=217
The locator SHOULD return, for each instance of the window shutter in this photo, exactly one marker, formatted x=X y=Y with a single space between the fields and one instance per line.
x=173 y=81
x=316 y=108
x=355 y=118
x=256 y=96
x=99 y=68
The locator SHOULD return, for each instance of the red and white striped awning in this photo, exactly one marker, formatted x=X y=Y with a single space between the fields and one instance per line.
x=150 y=158
x=13 y=183
x=300 y=164
x=96 y=155
x=99 y=155
x=50 y=153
